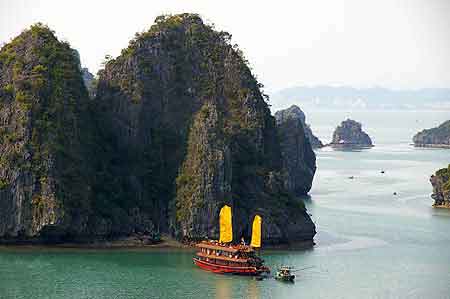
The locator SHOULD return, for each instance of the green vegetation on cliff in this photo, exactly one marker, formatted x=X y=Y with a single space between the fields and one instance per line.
x=183 y=81
x=178 y=127
x=42 y=114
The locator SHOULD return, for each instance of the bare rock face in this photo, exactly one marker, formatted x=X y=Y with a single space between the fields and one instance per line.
x=350 y=134
x=435 y=137
x=296 y=113
x=205 y=176
x=441 y=187
x=299 y=160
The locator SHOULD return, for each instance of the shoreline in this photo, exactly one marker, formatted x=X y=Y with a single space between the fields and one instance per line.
x=123 y=243
x=348 y=146
x=430 y=145
x=166 y=244
x=442 y=206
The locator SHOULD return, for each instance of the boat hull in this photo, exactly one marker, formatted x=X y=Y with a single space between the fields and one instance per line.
x=221 y=269
x=289 y=278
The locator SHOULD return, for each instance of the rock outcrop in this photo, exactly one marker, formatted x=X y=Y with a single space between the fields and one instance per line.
x=44 y=124
x=435 y=137
x=178 y=127
x=350 y=134
x=196 y=133
x=441 y=187
x=299 y=160
x=296 y=113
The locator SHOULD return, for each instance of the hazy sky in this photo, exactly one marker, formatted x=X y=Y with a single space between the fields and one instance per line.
x=396 y=44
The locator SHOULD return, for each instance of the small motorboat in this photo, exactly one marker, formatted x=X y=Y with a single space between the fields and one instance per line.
x=285 y=274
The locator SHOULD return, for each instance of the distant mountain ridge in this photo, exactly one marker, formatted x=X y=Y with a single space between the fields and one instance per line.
x=338 y=97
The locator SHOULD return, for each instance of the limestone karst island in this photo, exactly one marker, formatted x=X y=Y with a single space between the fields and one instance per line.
x=350 y=134
x=178 y=127
x=201 y=149
x=434 y=137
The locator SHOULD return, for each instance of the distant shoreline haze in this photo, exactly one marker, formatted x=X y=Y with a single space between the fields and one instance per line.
x=345 y=97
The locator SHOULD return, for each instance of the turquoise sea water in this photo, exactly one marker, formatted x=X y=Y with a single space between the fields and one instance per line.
x=370 y=243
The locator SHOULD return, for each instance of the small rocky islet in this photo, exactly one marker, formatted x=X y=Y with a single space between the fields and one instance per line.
x=438 y=137
x=173 y=128
x=349 y=134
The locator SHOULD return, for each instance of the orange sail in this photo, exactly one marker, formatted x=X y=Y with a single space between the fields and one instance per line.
x=226 y=227
x=256 y=232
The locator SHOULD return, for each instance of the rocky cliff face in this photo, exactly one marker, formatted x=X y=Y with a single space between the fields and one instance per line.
x=178 y=127
x=299 y=160
x=350 y=134
x=441 y=187
x=296 y=113
x=435 y=137
x=43 y=104
x=195 y=133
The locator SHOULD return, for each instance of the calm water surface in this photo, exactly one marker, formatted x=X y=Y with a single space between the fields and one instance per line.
x=370 y=243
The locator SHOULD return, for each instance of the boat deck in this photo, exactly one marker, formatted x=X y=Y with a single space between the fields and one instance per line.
x=222 y=258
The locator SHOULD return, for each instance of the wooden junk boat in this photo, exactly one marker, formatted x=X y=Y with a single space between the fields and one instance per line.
x=223 y=257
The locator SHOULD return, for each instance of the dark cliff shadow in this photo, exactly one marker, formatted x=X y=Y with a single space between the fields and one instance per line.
x=305 y=198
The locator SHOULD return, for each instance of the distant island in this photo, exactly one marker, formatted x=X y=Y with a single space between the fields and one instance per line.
x=337 y=97
x=294 y=112
x=172 y=129
x=350 y=134
x=441 y=188
x=435 y=137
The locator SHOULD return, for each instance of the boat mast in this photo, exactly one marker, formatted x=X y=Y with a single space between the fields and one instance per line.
x=226 y=226
x=256 y=232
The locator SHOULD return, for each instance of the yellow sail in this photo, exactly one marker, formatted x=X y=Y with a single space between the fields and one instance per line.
x=256 y=232
x=226 y=227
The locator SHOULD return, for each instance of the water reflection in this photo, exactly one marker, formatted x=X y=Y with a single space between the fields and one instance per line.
x=253 y=289
x=227 y=287
x=223 y=288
